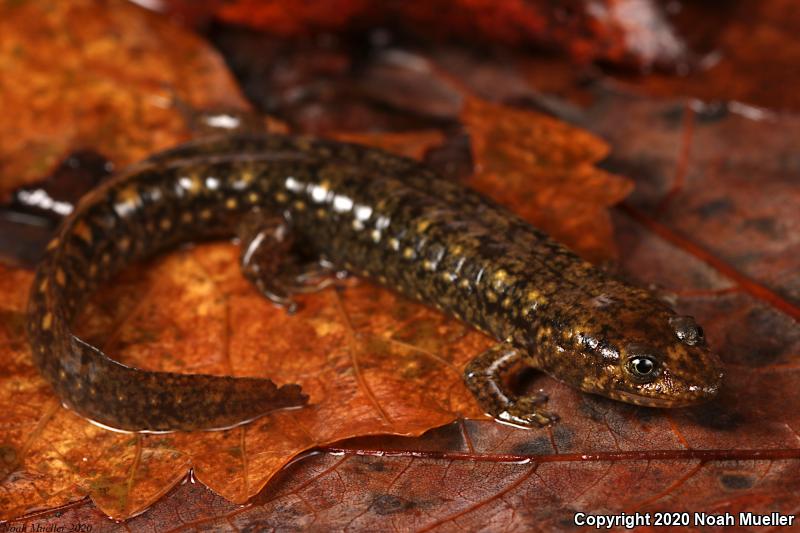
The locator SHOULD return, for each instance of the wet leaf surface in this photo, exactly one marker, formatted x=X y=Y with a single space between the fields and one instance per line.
x=710 y=223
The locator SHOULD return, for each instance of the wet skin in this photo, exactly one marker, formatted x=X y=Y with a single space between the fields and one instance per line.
x=375 y=215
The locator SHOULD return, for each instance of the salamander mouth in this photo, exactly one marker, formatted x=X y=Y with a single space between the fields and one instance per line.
x=700 y=395
x=648 y=401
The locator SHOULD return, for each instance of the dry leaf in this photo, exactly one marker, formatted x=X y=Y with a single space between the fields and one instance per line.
x=621 y=31
x=83 y=74
x=544 y=169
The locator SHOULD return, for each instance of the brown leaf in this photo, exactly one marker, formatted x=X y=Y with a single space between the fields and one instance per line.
x=414 y=144
x=736 y=454
x=100 y=75
x=371 y=362
x=763 y=72
x=627 y=32
x=711 y=220
x=544 y=170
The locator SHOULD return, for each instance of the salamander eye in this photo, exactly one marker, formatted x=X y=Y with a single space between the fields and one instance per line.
x=643 y=368
x=687 y=330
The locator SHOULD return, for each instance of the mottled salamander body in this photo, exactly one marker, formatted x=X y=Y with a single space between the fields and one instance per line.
x=383 y=217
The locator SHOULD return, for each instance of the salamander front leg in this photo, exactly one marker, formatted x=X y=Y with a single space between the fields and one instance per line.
x=484 y=377
x=268 y=261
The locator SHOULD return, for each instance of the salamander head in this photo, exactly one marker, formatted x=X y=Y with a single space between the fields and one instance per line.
x=641 y=353
x=668 y=372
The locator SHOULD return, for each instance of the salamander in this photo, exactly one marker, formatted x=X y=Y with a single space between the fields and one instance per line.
x=321 y=205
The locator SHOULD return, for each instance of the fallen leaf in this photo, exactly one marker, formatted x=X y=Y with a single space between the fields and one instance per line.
x=371 y=362
x=101 y=75
x=737 y=454
x=413 y=144
x=544 y=169
x=701 y=171
x=762 y=75
x=630 y=31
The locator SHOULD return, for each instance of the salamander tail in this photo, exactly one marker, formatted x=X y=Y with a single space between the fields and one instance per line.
x=125 y=398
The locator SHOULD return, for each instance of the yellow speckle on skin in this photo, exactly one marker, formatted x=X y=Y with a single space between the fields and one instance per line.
x=491 y=296
x=47 y=321
x=193 y=184
x=423 y=225
x=187 y=217
x=205 y=214
x=456 y=250
x=43 y=285
x=321 y=213
x=408 y=253
x=376 y=235
x=253 y=197
x=499 y=280
x=506 y=302
x=83 y=231
x=281 y=197
x=300 y=205
x=124 y=243
x=52 y=244
x=536 y=296
x=128 y=195
x=448 y=276
x=246 y=177
x=62 y=374
x=429 y=265
x=61 y=278
x=464 y=283
x=394 y=244
x=231 y=203
x=165 y=224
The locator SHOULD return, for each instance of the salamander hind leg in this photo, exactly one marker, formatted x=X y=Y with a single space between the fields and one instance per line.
x=484 y=378
x=269 y=261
